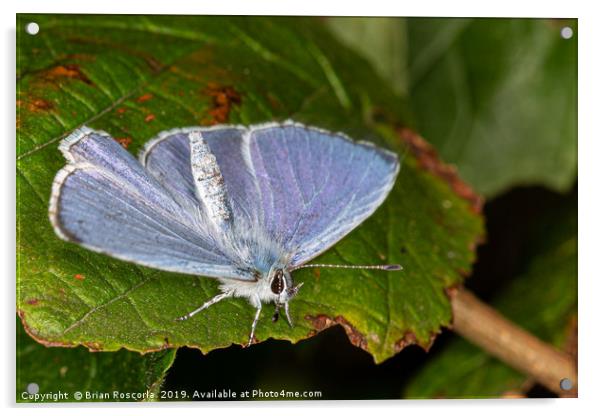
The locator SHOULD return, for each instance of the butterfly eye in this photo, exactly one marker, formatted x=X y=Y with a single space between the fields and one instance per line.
x=278 y=282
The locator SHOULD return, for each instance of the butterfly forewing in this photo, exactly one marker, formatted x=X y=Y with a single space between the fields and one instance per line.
x=168 y=159
x=120 y=210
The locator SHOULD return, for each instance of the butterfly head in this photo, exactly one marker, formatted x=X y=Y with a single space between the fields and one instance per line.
x=283 y=289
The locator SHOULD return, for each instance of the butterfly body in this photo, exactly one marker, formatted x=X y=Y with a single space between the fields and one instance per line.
x=244 y=205
x=262 y=289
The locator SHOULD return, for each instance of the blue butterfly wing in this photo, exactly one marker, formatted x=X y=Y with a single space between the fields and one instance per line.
x=304 y=187
x=106 y=201
x=167 y=158
x=314 y=186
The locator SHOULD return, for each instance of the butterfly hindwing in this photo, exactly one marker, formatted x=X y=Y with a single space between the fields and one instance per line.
x=314 y=186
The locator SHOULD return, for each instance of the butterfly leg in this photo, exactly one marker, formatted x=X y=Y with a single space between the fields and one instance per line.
x=257 y=304
x=205 y=305
x=288 y=316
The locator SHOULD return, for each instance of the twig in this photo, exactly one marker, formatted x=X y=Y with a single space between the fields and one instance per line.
x=485 y=327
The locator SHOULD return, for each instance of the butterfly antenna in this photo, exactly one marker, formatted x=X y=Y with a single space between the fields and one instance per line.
x=386 y=267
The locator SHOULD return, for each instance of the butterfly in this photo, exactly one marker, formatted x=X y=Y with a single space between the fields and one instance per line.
x=245 y=205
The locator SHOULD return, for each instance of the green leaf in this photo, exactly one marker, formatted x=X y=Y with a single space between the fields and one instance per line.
x=71 y=370
x=134 y=76
x=543 y=300
x=497 y=97
x=381 y=40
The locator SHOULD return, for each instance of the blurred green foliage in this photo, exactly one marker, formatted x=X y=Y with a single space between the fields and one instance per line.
x=496 y=97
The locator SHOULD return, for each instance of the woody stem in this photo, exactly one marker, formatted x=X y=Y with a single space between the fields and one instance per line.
x=484 y=326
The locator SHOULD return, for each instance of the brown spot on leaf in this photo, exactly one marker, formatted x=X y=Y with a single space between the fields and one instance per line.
x=121 y=110
x=67 y=71
x=149 y=118
x=429 y=160
x=79 y=276
x=145 y=97
x=154 y=64
x=32 y=301
x=124 y=141
x=321 y=322
x=37 y=105
x=223 y=98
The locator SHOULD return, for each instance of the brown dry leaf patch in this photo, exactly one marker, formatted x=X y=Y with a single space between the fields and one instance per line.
x=223 y=99
x=145 y=97
x=429 y=160
x=35 y=105
x=321 y=322
x=409 y=338
x=72 y=71
x=124 y=141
